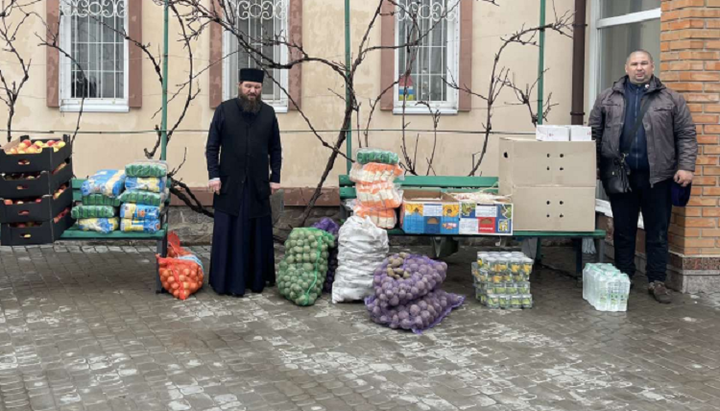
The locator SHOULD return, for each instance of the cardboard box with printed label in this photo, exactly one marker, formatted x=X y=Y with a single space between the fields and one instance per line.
x=434 y=212
x=554 y=208
x=428 y=212
x=525 y=162
x=490 y=219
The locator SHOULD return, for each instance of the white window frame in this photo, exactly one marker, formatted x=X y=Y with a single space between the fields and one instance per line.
x=449 y=107
x=230 y=85
x=90 y=105
x=597 y=24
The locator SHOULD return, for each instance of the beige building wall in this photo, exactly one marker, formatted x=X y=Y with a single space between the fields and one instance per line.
x=304 y=157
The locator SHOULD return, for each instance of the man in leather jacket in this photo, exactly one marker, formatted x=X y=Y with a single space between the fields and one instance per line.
x=663 y=152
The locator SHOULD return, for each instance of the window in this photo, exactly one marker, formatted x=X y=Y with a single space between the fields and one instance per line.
x=617 y=28
x=90 y=33
x=434 y=61
x=260 y=21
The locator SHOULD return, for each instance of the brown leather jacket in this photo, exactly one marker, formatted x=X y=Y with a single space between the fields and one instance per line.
x=669 y=128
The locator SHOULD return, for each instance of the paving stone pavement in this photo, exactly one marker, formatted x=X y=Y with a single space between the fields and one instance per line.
x=81 y=328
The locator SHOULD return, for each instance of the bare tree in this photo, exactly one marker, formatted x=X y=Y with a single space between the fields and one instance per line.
x=51 y=39
x=501 y=77
x=194 y=17
x=8 y=36
x=225 y=14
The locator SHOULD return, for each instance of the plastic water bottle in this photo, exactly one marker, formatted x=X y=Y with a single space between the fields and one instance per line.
x=587 y=272
x=615 y=285
x=605 y=287
x=589 y=277
x=602 y=291
x=625 y=292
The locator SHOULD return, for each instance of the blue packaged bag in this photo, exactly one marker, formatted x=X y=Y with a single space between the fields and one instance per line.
x=133 y=211
x=152 y=184
x=100 y=225
x=109 y=183
x=139 y=226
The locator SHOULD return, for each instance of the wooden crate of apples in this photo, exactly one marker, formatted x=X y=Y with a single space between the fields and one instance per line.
x=35 y=190
x=37 y=146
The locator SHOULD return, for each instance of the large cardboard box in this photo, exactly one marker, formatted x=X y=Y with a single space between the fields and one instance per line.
x=525 y=162
x=554 y=208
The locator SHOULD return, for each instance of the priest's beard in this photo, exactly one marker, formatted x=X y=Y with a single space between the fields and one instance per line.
x=250 y=106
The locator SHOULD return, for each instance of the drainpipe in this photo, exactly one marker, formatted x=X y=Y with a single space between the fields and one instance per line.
x=348 y=132
x=163 y=126
x=541 y=64
x=577 y=112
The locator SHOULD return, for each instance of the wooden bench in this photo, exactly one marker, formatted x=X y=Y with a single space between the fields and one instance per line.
x=160 y=237
x=444 y=245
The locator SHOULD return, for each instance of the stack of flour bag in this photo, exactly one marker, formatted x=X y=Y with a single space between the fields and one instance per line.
x=129 y=200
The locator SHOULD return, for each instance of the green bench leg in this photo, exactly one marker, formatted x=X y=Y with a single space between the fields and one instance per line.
x=600 y=248
x=444 y=246
x=578 y=255
x=162 y=250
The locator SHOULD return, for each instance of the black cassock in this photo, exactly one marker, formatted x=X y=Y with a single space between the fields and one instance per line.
x=242 y=148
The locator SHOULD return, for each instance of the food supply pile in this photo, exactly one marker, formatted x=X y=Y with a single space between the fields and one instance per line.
x=129 y=200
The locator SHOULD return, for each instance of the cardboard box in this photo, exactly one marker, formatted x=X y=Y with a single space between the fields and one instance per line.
x=525 y=162
x=44 y=184
x=554 y=208
x=490 y=219
x=434 y=212
x=552 y=133
x=46 y=160
x=42 y=209
x=429 y=212
x=580 y=133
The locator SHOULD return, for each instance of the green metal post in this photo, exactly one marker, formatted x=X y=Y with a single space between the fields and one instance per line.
x=348 y=133
x=541 y=64
x=163 y=141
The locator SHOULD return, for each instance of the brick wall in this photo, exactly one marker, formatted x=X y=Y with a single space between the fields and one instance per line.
x=690 y=64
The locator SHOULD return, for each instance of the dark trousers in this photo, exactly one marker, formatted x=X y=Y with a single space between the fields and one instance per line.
x=655 y=202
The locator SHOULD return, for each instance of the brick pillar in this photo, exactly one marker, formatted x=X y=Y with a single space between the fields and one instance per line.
x=690 y=64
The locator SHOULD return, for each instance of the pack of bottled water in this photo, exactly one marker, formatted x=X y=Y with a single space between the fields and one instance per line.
x=605 y=287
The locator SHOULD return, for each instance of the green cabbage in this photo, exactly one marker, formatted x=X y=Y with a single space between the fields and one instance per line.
x=302 y=271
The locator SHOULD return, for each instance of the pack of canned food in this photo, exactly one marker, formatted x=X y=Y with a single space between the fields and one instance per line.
x=502 y=279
